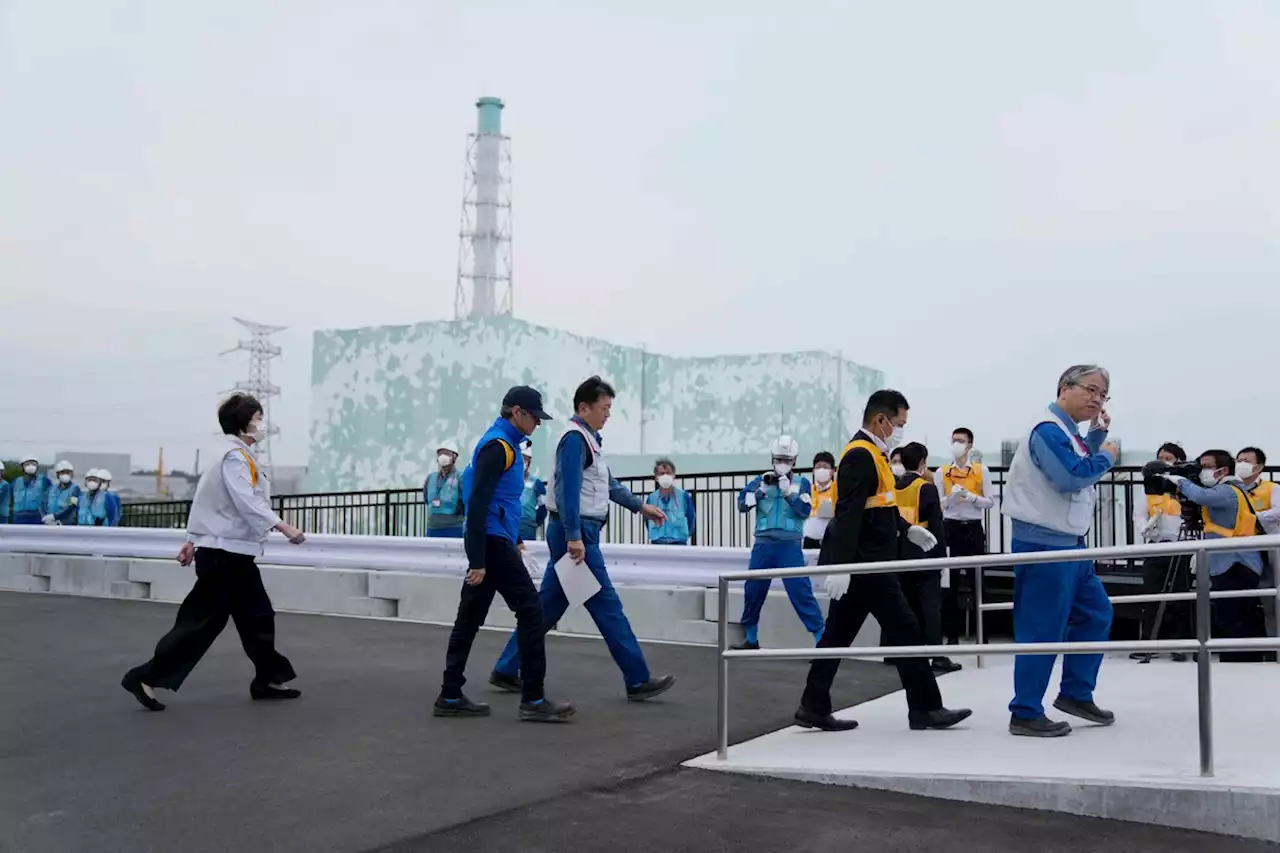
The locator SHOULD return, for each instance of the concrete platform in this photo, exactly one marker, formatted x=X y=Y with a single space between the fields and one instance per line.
x=1145 y=768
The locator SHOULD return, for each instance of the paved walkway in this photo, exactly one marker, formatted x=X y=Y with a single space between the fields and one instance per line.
x=358 y=764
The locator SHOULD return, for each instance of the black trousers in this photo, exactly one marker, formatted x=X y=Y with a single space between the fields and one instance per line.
x=1176 y=624
x=807 y=544
x=227 y=586
x=964 y=539
x=923 y=591
x=1238 y=617
x=505 y=575
x=880 y=596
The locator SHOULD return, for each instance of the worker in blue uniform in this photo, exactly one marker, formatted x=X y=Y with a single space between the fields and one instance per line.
x=63 y=503
x=676 y=504
x=782 y=501
x=578 y=499
x=533 y=500
x=6 y=499
x=92 y=511
x=1050 y=496
x=30 y=494
x=114 y=510
x=443 y=495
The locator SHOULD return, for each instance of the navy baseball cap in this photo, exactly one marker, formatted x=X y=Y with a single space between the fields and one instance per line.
x=528 y=399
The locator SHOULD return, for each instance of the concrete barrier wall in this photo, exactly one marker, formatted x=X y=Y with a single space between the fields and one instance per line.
x=671 y=613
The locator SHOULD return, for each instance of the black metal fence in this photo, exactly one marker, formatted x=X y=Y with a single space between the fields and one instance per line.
x=401 y=512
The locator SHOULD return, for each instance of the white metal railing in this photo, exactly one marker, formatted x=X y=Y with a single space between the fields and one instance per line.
x=1203 y=645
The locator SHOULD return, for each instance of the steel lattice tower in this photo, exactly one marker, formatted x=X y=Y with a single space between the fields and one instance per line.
x=261 y=350
x=484 y=238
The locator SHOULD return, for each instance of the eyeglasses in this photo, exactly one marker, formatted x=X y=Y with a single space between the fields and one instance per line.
x=1095 y=391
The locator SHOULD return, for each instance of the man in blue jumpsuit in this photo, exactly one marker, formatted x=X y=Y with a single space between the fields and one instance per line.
x=93 y=504
x=6 y=499
x=114 y=510
x=578 y=498
x=676 y=504
x=63 y=503
x=533 y=500
x=30 y=494
x=1050 y=496
x=782 y=503
x=443 y=496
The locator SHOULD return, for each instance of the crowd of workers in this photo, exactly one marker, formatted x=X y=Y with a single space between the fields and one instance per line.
x=33 y=497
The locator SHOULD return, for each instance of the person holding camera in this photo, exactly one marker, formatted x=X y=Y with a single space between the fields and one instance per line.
x=1159 y=519
x=1228 y=514
x=782 y=500
x=1050 y=496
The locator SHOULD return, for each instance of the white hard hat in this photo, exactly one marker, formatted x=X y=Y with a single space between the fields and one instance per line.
x=449 y=445
x=64 y=465
x=27 y=459
x=526 y=450
x=785 y=446
x=93 y=474
x=104 y=474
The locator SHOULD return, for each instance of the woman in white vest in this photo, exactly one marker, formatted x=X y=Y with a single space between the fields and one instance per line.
x=1050 y=496
x=231 y=518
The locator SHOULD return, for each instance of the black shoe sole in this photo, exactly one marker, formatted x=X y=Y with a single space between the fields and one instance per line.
x=537 y=717
x=275 y=695
x=805 y=724
x=512 y=686
x=642 y=697
x=1075 y=712
x=919 y=727
x=437 y=711
x=135 y=690
x=1037 y=733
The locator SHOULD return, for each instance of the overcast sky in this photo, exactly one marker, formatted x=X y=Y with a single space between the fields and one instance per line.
x=970 y=196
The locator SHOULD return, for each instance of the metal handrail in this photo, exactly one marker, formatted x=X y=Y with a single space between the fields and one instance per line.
x=1203 y=645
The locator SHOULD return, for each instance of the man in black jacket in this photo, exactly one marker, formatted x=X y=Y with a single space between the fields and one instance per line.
x=867 y=528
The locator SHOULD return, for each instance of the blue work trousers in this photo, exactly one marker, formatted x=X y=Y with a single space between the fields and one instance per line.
x=446 y=532
x=779 y=555
x=1054 y=603
x=605 y=607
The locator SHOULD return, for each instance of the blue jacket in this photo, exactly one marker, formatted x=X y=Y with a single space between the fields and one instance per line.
x=6 y=501
x=502 y=515
x=93 y=509
x=1066 y=470
x=30 y=497
x=532 y=511
x=571 y=461
x=779 y=518
x=63 y=503
x=681 y=517
x=114 y=510
x=443 y=497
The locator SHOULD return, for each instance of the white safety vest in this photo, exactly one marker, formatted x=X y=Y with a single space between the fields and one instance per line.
x=1030 y=497
x=594 y=497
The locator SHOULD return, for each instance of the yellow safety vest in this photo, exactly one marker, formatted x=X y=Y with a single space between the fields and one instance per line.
x=1163 y=505
x=1260 y=497
x=885 y=495
x=909 y=501
x=253 y=469
x=818 y=495
x=971 y=479
x=1246 y=521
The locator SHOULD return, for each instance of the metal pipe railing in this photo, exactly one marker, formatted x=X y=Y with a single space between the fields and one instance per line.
x=1203 y=645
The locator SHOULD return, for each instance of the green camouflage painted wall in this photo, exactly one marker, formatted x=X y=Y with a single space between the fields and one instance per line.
x=383 y=398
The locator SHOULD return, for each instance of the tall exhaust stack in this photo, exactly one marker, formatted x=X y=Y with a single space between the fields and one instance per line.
x=484 y=240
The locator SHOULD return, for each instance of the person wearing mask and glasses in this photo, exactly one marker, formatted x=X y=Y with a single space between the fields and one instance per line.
x=230 y=520
x=676 y=504
x=823 y=496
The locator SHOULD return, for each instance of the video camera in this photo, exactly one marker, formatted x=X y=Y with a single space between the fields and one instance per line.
x=1154 y=483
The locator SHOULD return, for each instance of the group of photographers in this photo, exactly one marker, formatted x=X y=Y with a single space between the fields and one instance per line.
x=1217 y=496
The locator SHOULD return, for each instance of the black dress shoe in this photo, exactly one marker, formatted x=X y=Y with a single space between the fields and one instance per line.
x=1084 y=710
x=459 y=707
x=746 y=647
x=546 y=711
x=1041 y=726
x=652 y=687
x=945 y=665
x=133 y=684
x=943 y=718
x=263 y=692
x=811 y=720
x=502 y=681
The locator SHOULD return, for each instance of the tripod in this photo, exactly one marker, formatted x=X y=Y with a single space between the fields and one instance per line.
x=1179 y=568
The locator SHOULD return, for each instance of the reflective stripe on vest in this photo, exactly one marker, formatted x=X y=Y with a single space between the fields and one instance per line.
x=253 y=467
x=909 y=501
x=1246 y=521
x=885 y=494
x=971 y=479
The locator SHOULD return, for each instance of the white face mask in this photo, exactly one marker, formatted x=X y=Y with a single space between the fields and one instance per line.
x=92 y=485
x=29 y=469
x=666 y=481
x=822 y=475
x=445 y=460
x=1207 y=478
x=257 y=431
x=64 y=478
x=895 y=438
x=898 y=469
x=1244 y=470
x=782 y=469
x=959 y=449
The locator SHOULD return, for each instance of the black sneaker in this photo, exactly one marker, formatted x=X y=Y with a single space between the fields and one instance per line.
x=943 y=718
x=945 y=665
x=546 y=711
x=748 y=646
x=1039 y=727
x=502 y=681
x=1084 y=710
x=652 y=687
x=460 y=707
x=812 y=720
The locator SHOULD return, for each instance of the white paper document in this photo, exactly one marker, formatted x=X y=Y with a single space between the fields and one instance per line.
x=532 y=564
x=576 y=580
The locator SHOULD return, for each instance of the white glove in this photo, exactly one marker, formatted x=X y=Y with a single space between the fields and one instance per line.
x=1174 y=478
x=921 y=538
x=956 y=496
x=750 y=499
x=784 y=485
x=836 y=585
x=48 y=519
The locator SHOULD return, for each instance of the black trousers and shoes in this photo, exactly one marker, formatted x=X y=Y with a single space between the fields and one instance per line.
x=1238 y=617
x=228 y=586
x=505 y=575
x=1165 y=574
x=880 y=596
x=923 y=591
x=964 y=539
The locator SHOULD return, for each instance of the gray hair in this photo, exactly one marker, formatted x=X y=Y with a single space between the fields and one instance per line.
x=664 y=462
x=1072 y=375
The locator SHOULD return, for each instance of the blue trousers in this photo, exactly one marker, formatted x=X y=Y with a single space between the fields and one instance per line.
x=445 y=532
x=28 y=517
x=605 y=607
x=1053 y=603
x=779 y=555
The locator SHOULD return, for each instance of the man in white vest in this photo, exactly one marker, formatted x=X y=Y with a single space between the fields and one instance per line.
x=1050 y=495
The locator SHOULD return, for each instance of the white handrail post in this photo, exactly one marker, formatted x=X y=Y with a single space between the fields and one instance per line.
x=722 y=672
x=977 y=606
x=1204 y=658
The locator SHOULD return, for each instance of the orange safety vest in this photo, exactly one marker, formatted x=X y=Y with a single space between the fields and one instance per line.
x=971 y=479
x=885 y=493
x=1260 y=497
x=1163 y=505
x=818 y=495
x=909 y=501
x=1246 y=522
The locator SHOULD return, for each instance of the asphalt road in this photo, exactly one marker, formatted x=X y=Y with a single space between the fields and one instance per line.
x=358 y=763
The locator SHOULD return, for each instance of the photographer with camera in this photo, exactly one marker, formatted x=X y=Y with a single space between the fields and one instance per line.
x=1227 y=514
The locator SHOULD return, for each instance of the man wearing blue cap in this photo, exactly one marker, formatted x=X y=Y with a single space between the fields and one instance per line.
x=491 y=488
